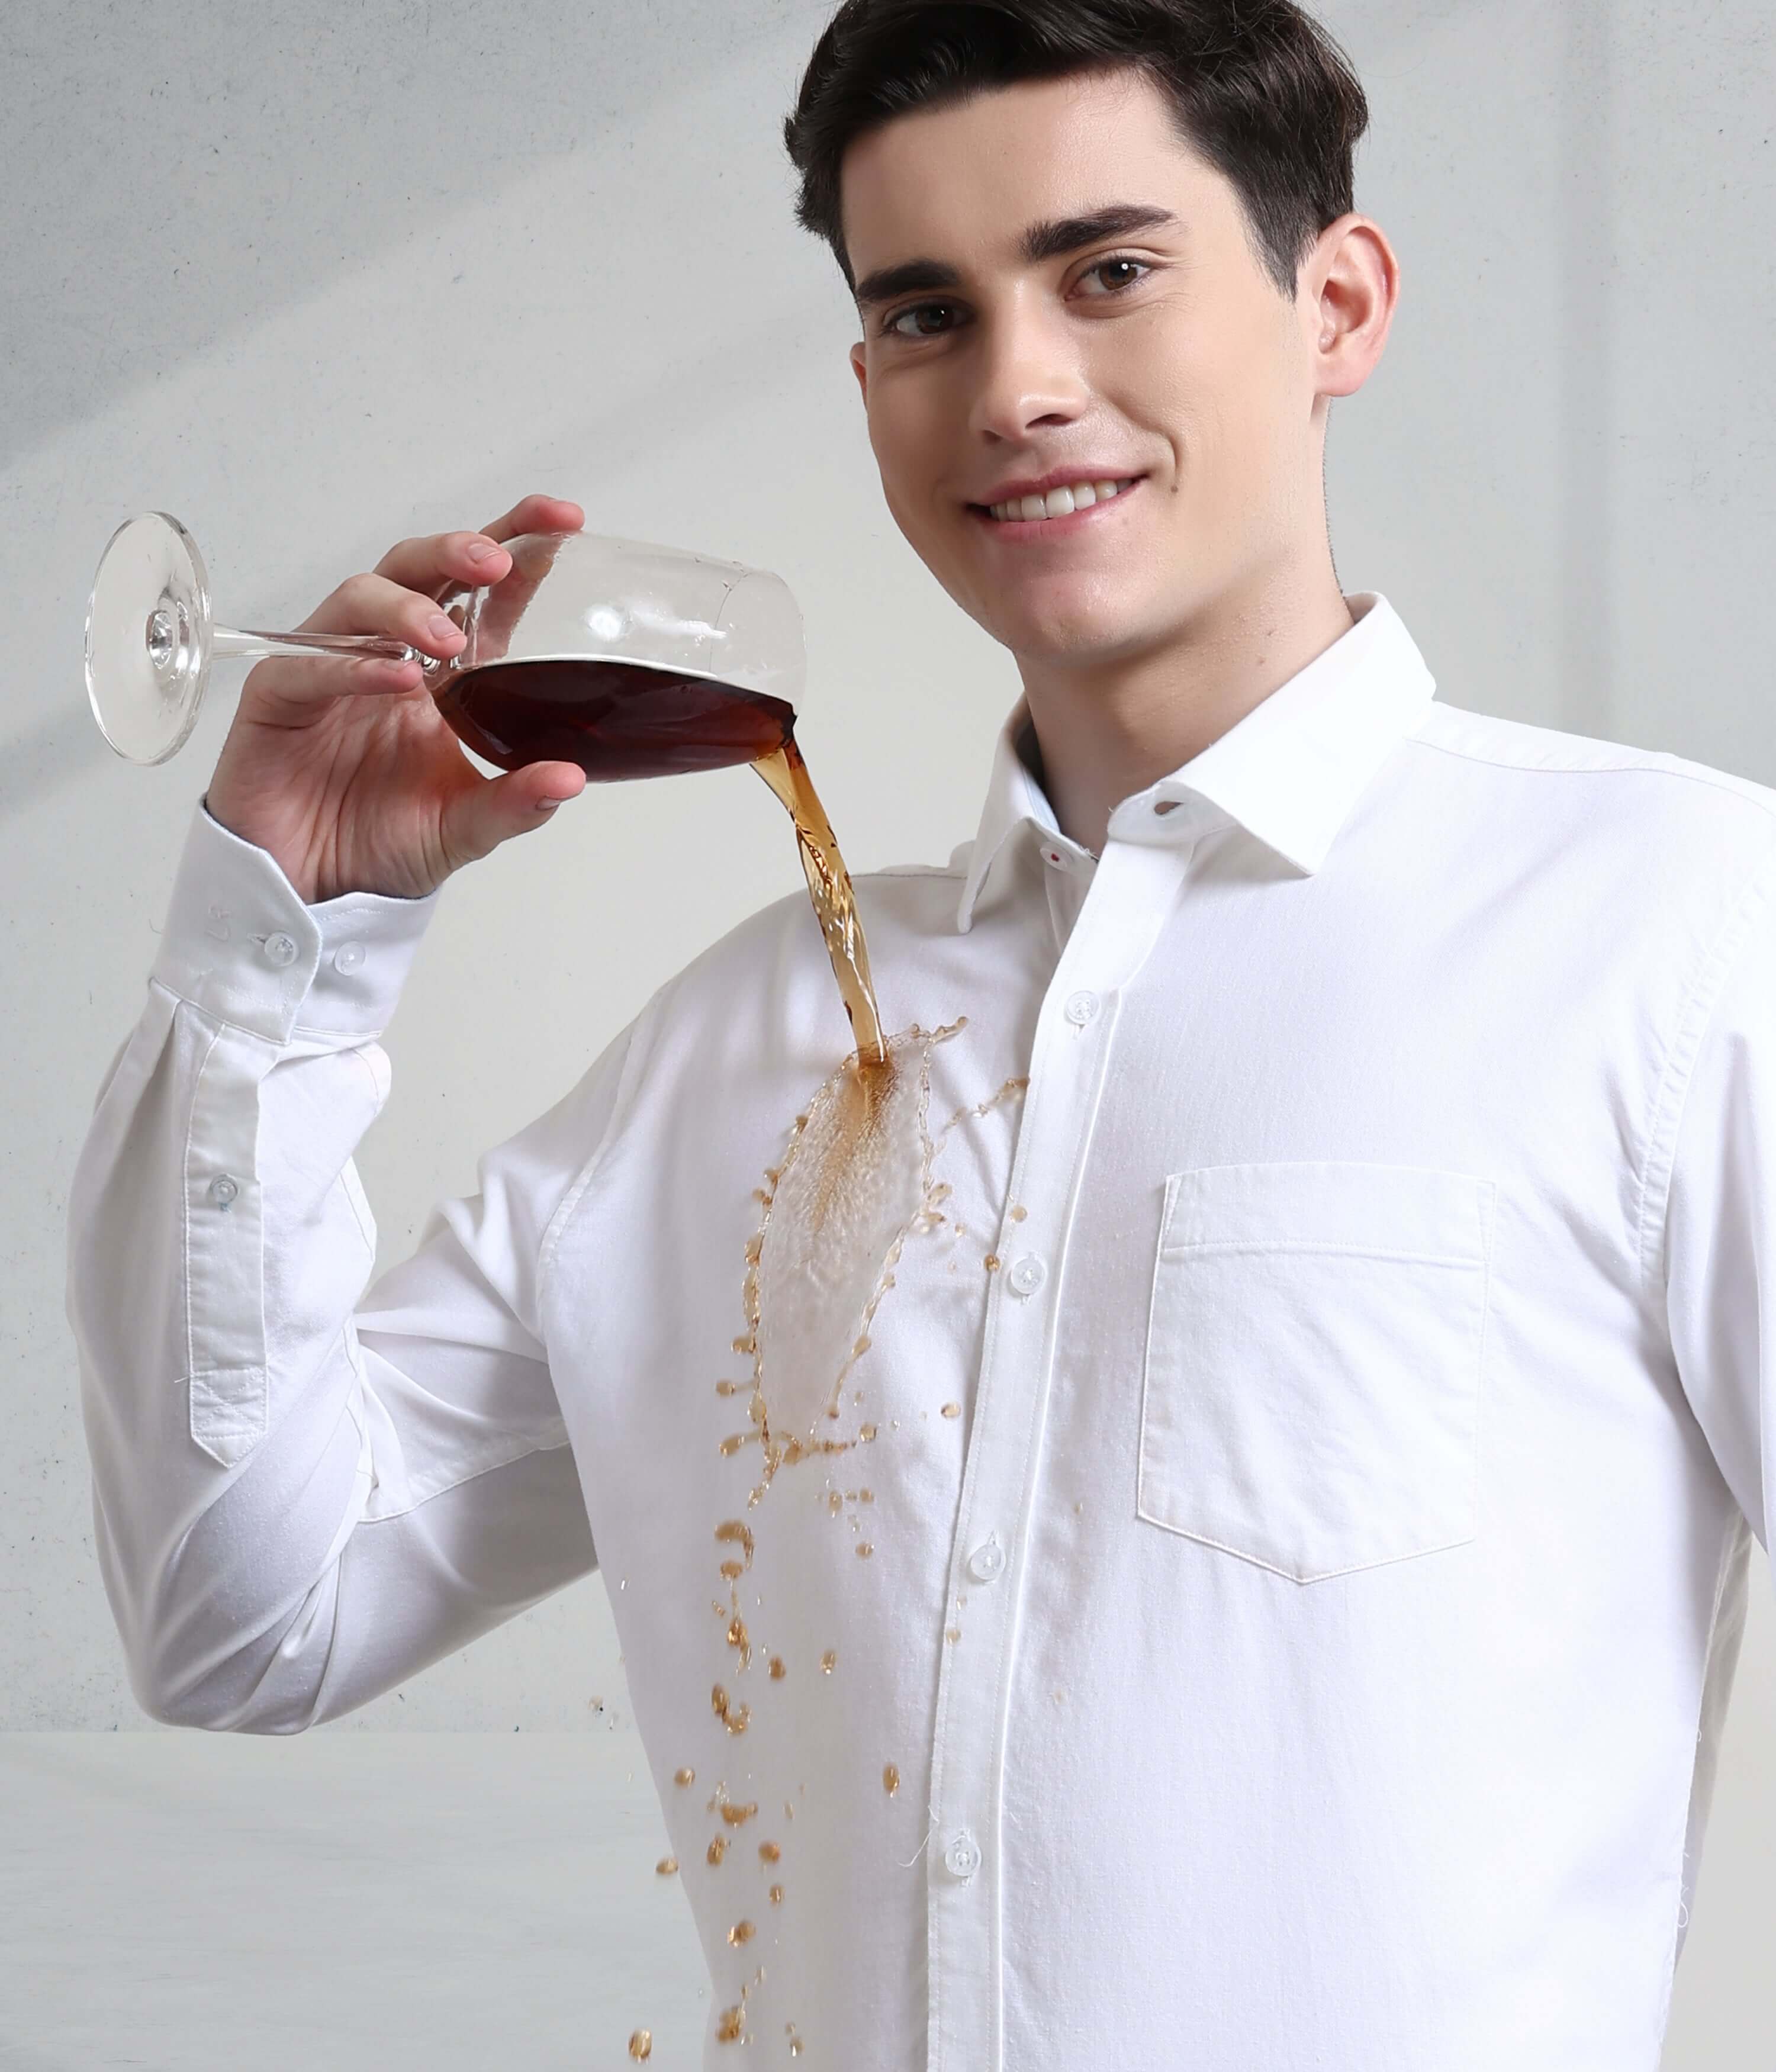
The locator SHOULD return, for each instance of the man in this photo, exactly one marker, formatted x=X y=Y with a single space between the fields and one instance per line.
x=1271 y=1587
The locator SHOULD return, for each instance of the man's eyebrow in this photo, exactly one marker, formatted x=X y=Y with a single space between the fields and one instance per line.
x=1040 y=241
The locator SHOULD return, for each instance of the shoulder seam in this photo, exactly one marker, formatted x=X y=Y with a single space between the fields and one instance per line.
x=1697 y=1011
x=563 y=1211
x=1714 y=781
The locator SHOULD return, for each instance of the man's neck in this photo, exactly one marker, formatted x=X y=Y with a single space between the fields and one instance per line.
x=1104 y=735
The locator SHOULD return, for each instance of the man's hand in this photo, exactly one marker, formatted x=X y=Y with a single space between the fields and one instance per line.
x=343 y=768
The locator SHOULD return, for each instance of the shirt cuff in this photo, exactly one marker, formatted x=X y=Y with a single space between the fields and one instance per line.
x=241 y=944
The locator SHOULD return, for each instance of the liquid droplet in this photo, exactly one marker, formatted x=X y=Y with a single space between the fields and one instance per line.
x=776 y=1895
x=737 y=1816
x=728 y=2030
x=666 y=1866
x=891 y=1778
x=770 y=1853
x=718 y=1848
x=733 y=1717
x=953 y=1410
x=641 y=2044
x=828 y=1661
x=686 y=1776
x=742 y=1931
x=777 y=1671
x=865 y=1550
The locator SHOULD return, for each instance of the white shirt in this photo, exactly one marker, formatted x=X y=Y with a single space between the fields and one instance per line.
x=1305 y=1646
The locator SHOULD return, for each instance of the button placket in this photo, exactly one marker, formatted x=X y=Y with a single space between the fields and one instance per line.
x=1133 y=890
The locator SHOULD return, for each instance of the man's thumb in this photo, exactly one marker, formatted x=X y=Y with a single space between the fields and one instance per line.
x=501 y=806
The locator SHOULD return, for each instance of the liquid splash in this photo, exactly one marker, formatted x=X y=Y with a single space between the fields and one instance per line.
x=853 y=1186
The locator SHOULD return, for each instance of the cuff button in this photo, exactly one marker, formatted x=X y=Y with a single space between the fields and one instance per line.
x=348 y=956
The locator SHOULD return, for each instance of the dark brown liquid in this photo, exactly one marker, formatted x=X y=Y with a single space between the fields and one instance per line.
x=619 y=720
x=615 y=720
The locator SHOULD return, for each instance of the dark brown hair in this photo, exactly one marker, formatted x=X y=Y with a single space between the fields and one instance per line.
x=1258 y=88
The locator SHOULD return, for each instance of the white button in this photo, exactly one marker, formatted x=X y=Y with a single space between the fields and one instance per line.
x=279 y=949
x=962 y=1858
x=987 y=1561
x=1027 y=1274
x=1081 y=1007
x=348 y=956
x=223 y=1189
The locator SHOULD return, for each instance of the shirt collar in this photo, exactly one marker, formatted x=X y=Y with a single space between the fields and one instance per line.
x=1290 y=772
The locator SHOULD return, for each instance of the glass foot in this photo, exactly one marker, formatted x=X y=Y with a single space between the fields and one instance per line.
x=148 y=630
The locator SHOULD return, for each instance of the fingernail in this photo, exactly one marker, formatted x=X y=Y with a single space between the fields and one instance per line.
x=548 y=805
x=442 y=628
x=484 y=550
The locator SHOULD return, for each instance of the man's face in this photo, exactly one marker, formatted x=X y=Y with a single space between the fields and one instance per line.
x=1187 y=367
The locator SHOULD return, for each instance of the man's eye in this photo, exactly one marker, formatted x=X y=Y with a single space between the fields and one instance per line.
x=1103 y=266
x=895 y=324
x=919 y=309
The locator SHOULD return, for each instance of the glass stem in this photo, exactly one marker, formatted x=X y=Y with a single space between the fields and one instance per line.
x=248 y=644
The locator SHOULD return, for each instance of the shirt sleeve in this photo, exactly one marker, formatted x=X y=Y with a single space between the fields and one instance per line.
x=304 y=1493
x=1720 y=1222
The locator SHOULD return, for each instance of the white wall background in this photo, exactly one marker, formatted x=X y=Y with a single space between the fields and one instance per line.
x=315 y=277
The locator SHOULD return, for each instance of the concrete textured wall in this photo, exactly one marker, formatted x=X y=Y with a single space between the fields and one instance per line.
x=313 y=277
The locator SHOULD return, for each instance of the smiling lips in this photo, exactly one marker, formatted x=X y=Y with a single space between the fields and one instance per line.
x=1071 y=502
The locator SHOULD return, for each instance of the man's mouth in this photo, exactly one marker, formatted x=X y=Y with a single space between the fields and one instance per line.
x=1066 y=508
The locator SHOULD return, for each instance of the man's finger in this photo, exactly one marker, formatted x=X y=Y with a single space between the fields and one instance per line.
x=538 y=514
x=438 y=562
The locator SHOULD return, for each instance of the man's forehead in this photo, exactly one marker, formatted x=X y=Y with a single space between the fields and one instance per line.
x=1103 y=180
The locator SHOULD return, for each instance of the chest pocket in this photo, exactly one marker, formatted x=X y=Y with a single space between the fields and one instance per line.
x=1311 y=1393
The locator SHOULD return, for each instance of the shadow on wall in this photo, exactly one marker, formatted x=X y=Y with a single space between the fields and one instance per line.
x=231 y=162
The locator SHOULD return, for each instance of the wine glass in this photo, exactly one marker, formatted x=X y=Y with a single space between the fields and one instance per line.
x=629 y=659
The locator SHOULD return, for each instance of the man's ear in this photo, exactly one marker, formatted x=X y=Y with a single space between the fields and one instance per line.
x=858 y=369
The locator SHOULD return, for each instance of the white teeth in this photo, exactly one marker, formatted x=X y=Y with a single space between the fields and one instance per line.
x=1058 y=503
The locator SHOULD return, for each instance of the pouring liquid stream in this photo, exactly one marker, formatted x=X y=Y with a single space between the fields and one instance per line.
x=829 y=887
